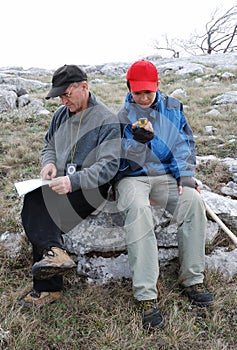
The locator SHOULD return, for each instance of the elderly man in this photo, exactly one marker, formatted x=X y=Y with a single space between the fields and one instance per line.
x=80 y=157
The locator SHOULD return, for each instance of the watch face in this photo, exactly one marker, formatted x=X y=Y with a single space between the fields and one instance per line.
x=71 y=169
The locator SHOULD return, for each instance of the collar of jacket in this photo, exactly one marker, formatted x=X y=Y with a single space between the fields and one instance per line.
x=92 y=100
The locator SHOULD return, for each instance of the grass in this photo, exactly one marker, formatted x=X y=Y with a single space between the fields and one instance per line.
x=105 y=317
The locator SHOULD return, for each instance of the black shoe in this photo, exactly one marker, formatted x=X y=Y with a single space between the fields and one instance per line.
x=198 y=294
x=151 y=316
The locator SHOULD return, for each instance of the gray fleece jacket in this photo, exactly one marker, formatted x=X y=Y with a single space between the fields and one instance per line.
x=93 y=144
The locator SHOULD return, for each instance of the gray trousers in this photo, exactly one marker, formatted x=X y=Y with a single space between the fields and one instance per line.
x=188 y=210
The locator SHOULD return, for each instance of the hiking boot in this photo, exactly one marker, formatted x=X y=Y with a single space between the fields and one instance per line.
x=151 y=316
x=39 y=298
x=198 y=294
x=55 y=262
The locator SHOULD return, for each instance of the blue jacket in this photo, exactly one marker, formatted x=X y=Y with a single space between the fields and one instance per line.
x=171 y=151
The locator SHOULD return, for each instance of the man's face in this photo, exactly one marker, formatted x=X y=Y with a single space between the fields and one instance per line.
x=144 y=98
x=75 y=97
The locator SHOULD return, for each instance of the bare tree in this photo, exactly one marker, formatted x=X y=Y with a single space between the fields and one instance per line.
x=220 y=36
x=220 y=33
x=168 y=45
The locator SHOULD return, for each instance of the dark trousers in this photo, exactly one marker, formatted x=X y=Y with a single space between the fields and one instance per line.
x=46 y=215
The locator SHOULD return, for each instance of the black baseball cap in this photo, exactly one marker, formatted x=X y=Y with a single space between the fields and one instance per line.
x=63 y=77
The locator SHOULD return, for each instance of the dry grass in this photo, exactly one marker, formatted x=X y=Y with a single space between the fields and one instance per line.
x=106 y=317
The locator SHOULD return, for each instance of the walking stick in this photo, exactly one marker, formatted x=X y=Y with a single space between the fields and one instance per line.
x=221 y=224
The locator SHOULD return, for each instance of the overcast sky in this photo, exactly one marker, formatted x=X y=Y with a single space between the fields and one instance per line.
x=51 y=33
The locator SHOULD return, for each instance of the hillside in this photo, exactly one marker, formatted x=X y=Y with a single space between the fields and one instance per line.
x=105 y=317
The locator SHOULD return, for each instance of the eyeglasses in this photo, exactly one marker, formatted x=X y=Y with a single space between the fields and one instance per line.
x=67 y=94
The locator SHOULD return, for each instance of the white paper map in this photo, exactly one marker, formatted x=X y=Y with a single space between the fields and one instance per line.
x=24 y=187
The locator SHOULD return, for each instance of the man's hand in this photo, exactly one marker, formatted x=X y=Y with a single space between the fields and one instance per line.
x=180 y=189
x=143 y=134
x=48 y=172
x=61 y=185
x=187 y=181
x=147 y=127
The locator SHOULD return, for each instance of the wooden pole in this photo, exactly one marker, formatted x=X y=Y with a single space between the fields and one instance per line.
x=221 y=224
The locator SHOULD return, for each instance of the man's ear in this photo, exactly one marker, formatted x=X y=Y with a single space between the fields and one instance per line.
x=158 y=85
x=84 y=84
